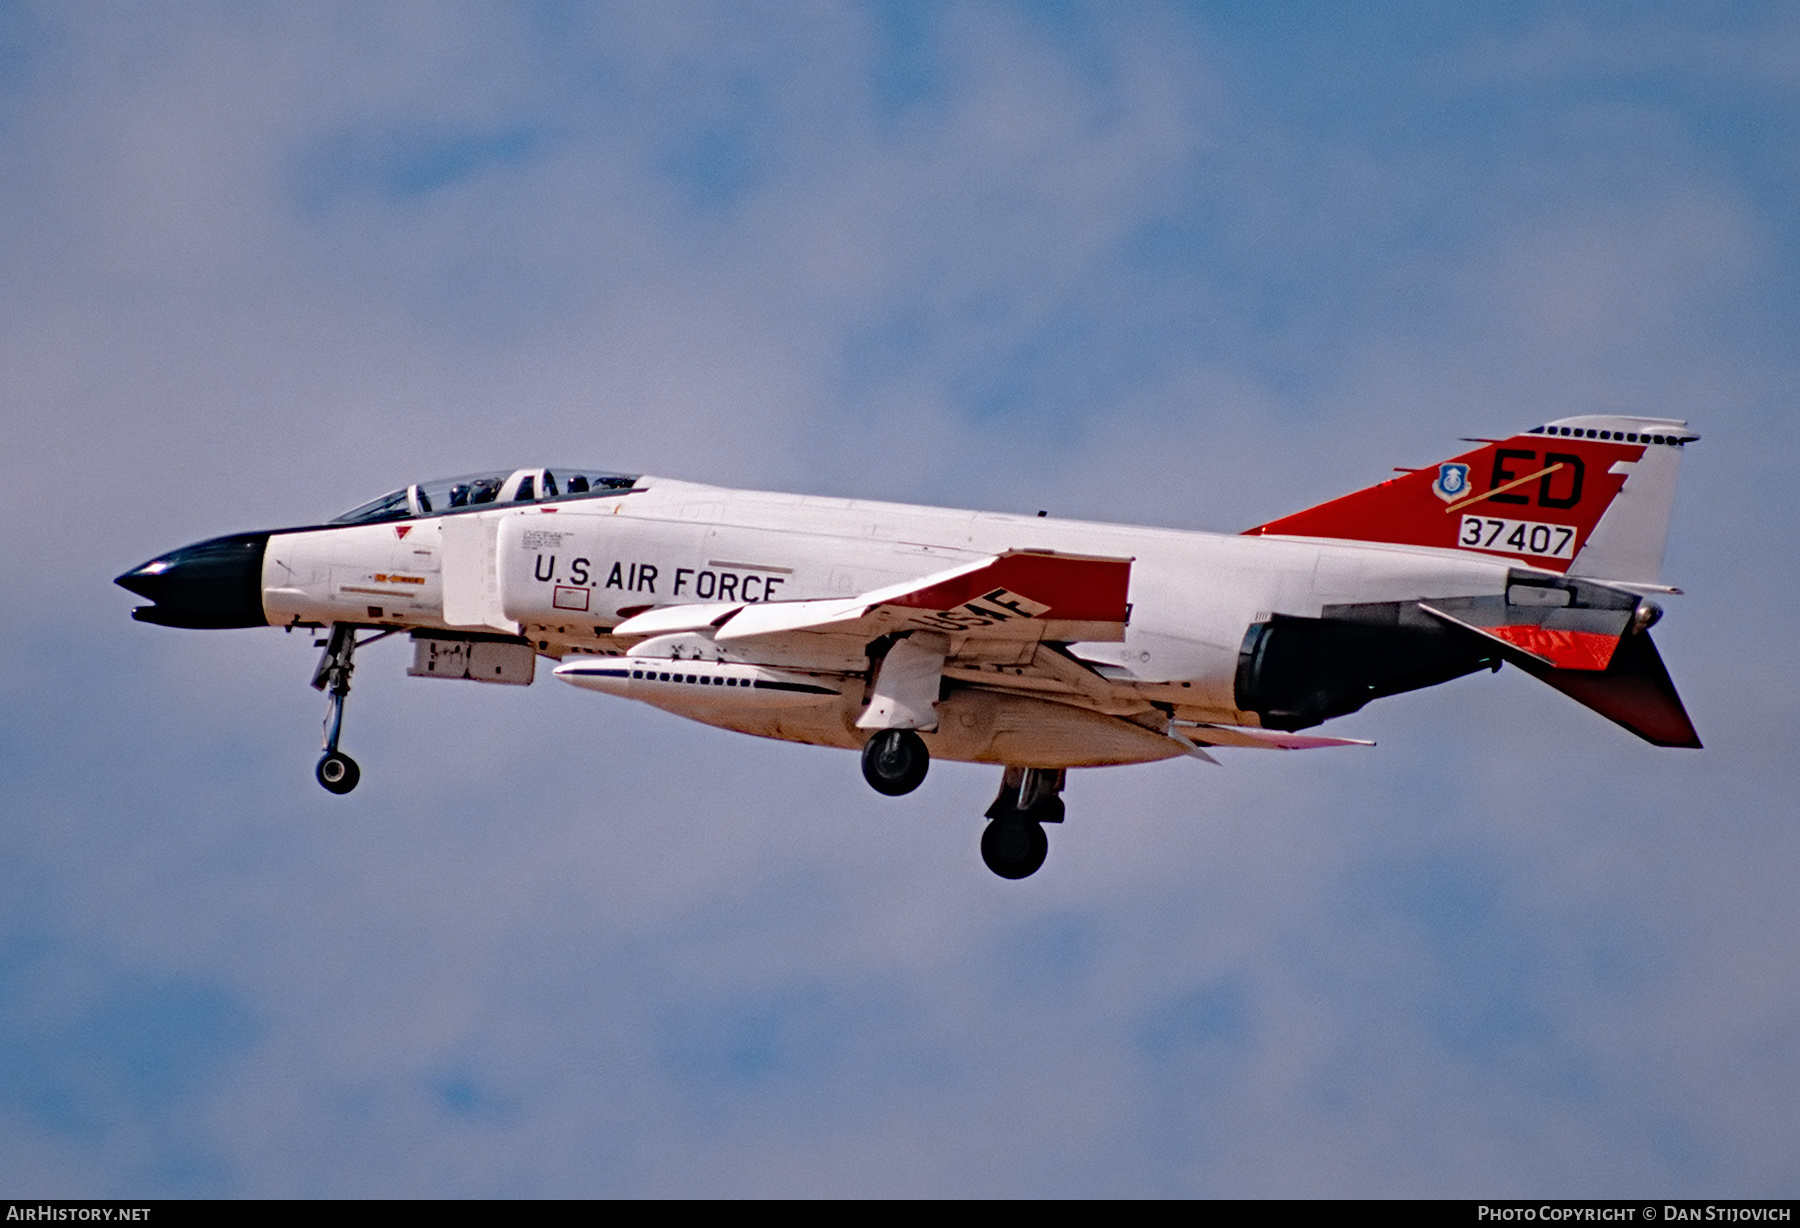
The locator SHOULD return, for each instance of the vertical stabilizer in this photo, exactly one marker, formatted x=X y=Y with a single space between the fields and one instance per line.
x=1589 y=496
x=1628 y=542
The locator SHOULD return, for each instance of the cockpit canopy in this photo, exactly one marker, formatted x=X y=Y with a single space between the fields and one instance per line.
x=475 y=490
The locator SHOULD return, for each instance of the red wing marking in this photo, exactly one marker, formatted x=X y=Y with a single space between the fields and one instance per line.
x=1028 y=584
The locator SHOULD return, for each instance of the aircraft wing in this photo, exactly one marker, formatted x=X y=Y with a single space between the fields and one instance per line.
x=1021 y=596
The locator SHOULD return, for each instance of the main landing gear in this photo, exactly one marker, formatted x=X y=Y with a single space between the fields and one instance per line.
x=337 y=771
x=1014 y=844
x=895 y=761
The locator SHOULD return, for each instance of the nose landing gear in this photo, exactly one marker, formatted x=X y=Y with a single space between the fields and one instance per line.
x=1014 y=844
x=337 y=771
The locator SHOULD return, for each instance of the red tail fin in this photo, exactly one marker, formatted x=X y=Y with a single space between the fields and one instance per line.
x=1537 y=497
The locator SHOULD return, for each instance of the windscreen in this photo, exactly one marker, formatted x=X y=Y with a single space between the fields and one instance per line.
x=470 y=491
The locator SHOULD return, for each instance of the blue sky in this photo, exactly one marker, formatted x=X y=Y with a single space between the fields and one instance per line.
x=1187 y=265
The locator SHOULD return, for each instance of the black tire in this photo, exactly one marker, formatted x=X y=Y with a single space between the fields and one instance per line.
x=1014 y=848
x=338 y=772
x=895 y=761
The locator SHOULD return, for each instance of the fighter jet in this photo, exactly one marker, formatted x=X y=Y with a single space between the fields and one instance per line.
x=1032 y=643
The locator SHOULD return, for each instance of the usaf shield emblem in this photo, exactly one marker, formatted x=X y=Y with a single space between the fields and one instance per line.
x=1452 y=482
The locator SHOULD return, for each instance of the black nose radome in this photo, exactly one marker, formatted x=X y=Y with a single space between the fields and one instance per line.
x=215 y=583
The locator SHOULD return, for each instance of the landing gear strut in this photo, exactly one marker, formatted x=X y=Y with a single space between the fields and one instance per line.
x=895 y=761
x=337 y=771
x=1014 y=844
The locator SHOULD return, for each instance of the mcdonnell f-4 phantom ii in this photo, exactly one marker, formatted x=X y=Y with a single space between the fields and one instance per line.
x=1032 y=643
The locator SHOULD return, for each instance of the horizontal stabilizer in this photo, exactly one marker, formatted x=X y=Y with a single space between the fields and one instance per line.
x=1634 y=691
x=1567 y=624
x=1585 y=650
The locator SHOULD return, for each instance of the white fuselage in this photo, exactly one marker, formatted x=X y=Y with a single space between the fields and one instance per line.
x=564 y=574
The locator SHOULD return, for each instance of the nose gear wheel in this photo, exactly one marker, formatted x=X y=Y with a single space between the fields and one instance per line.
x=338 y=772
